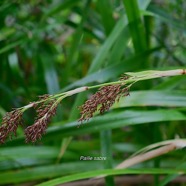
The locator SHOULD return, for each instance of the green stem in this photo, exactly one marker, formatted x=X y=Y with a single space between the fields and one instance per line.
x=105 y=84
x=133 y=78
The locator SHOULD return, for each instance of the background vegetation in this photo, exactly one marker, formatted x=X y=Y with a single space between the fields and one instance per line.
x=52 y=46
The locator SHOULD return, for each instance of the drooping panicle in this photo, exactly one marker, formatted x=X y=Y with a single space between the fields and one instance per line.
x=10 y=123
x=102 y=100
x=45 y=109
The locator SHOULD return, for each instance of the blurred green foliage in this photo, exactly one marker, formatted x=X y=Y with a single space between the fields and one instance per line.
x=50 y=46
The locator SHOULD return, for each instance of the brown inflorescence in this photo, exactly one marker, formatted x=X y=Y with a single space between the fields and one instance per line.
x=46 y=109
x=10 y=123
x=102 y=100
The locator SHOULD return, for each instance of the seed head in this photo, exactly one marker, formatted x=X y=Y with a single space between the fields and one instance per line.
x=45 y=110
x=10 y=123
x=102 y=100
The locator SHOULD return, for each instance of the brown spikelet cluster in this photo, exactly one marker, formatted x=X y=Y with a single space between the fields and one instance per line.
x=45 y=111
x=45 y=108
x=10 y=123
x=102 y=100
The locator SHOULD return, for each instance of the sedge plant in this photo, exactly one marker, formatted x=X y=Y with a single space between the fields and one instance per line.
x=46 y=106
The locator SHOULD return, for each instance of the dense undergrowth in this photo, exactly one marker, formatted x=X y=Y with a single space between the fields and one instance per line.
x=50 y=47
